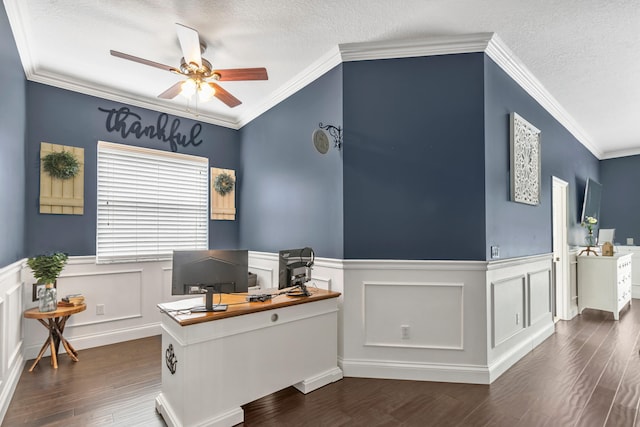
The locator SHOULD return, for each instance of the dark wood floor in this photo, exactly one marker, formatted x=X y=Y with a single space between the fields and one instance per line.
x=587 y=374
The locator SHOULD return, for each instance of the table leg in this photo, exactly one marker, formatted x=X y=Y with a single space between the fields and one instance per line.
x=70 y=350
x=59 y=328
x=54 y=354
x=42 y=350
x=58 y=325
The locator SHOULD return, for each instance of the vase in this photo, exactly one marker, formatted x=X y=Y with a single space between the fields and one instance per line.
x=47 y=298
x=590 y=239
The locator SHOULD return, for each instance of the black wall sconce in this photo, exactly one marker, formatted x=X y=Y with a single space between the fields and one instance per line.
x=321 y=141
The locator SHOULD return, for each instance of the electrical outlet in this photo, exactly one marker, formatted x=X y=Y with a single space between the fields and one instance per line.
x=629 y=241
x=495 y=251
x=404 y=332
x=100 y=309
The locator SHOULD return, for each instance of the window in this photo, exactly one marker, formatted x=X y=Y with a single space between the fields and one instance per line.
x=150 y=203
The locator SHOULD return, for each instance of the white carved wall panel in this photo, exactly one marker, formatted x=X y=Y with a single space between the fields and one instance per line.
x=525 y=161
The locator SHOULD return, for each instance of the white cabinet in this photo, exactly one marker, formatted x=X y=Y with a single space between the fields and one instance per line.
x=635 y=267
x=604 y=283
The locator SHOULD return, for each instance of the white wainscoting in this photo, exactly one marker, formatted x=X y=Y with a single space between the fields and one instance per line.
x=11 y=332
x=451 y=308
x=460 y=314
x=442 y=302
x=521 y=312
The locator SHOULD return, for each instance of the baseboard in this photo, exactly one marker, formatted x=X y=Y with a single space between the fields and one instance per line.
x=9 y=385
x=103 y=338
x=310 y=384
x=471 y=374
x=229 y=418
x=516 y=353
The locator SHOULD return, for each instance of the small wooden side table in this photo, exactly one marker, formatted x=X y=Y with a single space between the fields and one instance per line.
x=55 y=321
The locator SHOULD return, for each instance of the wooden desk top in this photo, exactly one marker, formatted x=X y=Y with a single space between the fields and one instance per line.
x=238 y=305
x=35 y=313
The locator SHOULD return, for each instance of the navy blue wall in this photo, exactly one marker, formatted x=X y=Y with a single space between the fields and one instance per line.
x=414 y=158
x=63 y=117
x=620 y=198
x=520 y=229
x=291 y=194
x=12 y=142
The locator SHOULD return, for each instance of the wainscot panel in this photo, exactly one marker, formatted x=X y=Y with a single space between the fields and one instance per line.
x=11 y=332
x=410 y=308
x=383 y=297
x=507 y=308
x=522 y=318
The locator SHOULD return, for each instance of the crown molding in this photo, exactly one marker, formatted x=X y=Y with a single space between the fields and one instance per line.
x=91 y=89
x=489 y=43
x=510 y=64
x=620 y=153
x=467 y=43
x=314 y=71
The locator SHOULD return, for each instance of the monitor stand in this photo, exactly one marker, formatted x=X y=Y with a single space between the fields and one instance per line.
x=208 y=303
x=303 y=292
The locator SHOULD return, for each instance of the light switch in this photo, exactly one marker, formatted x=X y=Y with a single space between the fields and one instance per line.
x=495 y=251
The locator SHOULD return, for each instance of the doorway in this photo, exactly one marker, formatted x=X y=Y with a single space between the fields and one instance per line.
x=560 y=271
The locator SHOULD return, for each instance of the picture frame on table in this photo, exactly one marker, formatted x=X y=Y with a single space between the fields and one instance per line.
x=36 y=289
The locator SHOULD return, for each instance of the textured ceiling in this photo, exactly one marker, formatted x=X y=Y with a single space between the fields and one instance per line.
x=583 y=52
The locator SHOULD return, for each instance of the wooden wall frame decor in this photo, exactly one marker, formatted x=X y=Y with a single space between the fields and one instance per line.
x=61 y=196
x=525 y=161
x=223 y=207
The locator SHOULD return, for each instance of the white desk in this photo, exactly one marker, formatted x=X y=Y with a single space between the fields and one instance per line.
x=227 y=359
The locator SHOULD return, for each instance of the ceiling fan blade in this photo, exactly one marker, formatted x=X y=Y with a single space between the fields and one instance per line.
x=190 y=44
x=143 y=61
x=225 y=96
x=235 y=74
x=172 y=92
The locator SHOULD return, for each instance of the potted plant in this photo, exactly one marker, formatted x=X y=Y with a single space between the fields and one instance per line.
x=46 y=269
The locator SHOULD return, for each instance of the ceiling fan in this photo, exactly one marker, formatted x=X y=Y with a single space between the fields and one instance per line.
x=198 y=71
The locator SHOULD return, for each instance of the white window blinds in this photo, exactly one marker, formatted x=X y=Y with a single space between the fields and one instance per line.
x=150 y=203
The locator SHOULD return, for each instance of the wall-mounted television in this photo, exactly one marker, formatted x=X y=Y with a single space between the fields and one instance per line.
x=591 y=203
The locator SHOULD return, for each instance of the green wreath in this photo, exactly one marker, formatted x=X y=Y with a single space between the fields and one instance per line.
x=62 y=165
x=223 y=184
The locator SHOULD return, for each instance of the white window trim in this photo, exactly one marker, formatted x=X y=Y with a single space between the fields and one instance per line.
x=186 y=228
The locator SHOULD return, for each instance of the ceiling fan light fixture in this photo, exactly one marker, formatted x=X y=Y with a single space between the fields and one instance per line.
x=188 y=88
x=197 y=71
x=205 y=91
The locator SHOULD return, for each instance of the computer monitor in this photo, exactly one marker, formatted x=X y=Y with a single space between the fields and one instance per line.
x=294 y=268
x=606 y=235
x=210 y=271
